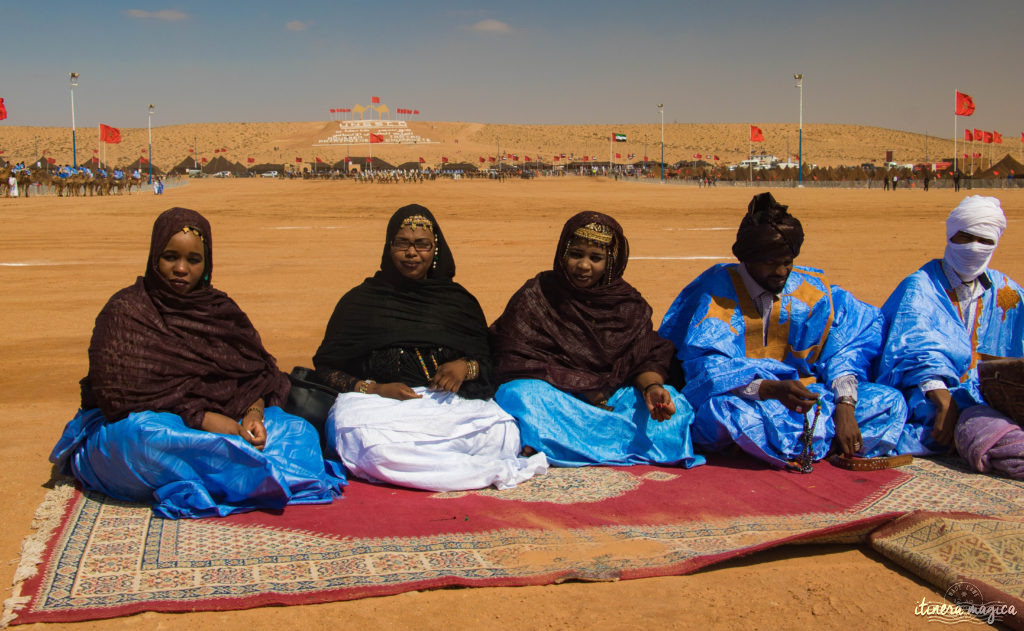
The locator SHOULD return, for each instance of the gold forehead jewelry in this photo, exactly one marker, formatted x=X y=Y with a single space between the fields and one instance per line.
x=195 y=231
x=596 y=233
x=417 y=221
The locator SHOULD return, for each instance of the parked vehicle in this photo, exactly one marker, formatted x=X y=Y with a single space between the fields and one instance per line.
x=269 y=174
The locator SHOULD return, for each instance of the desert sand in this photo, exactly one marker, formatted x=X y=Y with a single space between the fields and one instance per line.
x=281 y=143
x=286 y=250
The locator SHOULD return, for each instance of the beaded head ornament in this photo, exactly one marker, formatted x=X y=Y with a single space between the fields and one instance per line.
x=599 y=235
x=419 y=221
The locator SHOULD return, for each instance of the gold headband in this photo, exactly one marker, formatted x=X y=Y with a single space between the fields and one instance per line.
x=195 y=231
x=417 y=221
x=596 y=233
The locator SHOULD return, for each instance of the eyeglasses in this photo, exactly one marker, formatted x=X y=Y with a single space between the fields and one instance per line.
x=421 y=245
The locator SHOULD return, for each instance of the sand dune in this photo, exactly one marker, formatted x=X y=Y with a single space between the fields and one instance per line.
x=824 y=144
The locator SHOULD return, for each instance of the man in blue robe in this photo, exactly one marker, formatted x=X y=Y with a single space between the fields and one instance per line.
x=763 y=344
x=943 y=319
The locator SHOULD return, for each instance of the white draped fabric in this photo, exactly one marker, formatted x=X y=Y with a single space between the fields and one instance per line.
x=440 y=442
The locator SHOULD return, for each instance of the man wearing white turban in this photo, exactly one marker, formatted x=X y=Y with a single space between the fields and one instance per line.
x=944 y=318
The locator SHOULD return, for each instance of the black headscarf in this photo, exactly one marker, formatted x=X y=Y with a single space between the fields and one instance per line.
x=389 y=310
x=579 y=339
x=155 y=349
x=767 y=231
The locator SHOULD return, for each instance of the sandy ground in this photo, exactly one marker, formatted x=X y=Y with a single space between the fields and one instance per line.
x=283 y=142
x=286 y=251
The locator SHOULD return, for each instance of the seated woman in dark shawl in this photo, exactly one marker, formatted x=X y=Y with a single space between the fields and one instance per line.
x=179 y=407
x=581 y=367
x=408 y=351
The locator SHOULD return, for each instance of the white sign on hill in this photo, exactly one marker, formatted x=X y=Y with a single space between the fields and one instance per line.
x=363 y=132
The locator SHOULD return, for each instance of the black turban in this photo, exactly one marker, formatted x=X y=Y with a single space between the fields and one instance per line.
x=767 y=231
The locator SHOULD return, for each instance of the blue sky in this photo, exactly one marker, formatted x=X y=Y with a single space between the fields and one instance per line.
x=891 y=64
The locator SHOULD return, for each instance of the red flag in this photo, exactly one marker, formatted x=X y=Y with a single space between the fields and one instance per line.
x=224 y=150
x=978 y=134
x=977 y=155
x=298 y=159
x=968 y=136
x=110 y=134
x=318 y=160
x=97 y=150
x=995 y=172
x=645 y=158
x=696 y=155
x=528 y=158
x=481 y=159
x=444 y=159
x=618 y=155
x=586 y=158
x=1022 y=136
x=3 y=110
x=374 y=99
x=375 y=138
x=348 y=159
x=333 y=110
x=987 y=138
x=143 y=161
x=415 y=111
x=216 y=150
x=964 y=104
x=250 y=160
x=556 y=158
x=143 y=151
x=716 y=157
x=422 y=160
x=755 y=134
x=997 y=138
x=491 y=158
x=203 y=160
x=52 y=160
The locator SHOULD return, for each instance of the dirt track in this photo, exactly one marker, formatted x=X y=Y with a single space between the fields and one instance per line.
x=285 y=251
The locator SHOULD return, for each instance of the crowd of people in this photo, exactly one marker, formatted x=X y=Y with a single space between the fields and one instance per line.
x=184 y=409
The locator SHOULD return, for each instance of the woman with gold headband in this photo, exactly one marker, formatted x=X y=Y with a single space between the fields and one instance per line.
x=583 y=370
x=408 y=351
x=179 y=408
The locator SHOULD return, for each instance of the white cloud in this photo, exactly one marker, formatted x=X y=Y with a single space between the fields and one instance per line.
x=297 y=25
x=493 y=26
x=170 y=15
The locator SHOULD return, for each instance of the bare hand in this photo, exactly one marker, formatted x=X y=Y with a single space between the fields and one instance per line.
x=394 y=390
x=659 y=403
x=449 y=376
x=253 y=430
x=847 y=440
x=946 y=415
x=792 y=394
x=598 y=398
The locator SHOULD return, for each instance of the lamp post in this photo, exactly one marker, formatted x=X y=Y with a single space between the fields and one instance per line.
x=150 y=130
x=73 y=77
x=661 y=110
x=800 y=151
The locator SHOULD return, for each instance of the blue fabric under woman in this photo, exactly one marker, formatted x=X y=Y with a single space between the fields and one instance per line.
x=179 y=409
x=583 y=370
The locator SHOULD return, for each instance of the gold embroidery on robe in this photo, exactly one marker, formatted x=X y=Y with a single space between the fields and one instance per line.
x=1007 y=298
x=975 y=355
x=778 y=346
x=721 y=309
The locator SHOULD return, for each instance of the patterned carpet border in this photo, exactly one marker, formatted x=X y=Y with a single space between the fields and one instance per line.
x=106 y=558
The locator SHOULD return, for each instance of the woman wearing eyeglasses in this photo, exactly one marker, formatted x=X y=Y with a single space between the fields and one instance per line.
x=408 y=351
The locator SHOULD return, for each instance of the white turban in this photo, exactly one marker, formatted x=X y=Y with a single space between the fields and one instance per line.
x=977 y=215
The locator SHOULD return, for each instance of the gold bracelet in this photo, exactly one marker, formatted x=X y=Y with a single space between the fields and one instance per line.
x=472 y=369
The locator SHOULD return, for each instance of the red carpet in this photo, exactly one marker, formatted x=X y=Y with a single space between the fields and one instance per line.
x=105 y=558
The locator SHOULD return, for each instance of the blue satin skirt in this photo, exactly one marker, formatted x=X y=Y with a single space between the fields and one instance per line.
x=154 y=458
x=574 y=433
x=770 y=432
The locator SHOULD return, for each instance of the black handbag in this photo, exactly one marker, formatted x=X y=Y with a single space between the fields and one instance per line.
x=310 y=399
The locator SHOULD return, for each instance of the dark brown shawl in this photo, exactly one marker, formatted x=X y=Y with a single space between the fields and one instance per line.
x=579 y=340
x=155 y=349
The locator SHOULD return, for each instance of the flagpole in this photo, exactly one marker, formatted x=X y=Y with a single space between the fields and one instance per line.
x=954 y=129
